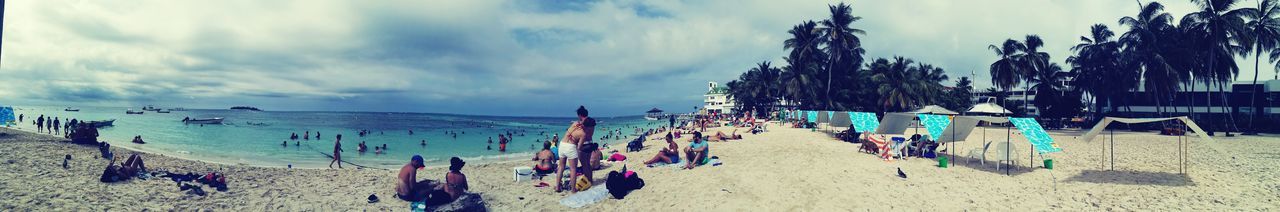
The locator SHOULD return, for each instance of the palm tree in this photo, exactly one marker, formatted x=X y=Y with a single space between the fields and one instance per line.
x=1004 y=72
x=800 y=76
x=1097 y=67
x=843 y=46
x=1223 y=28
x=1141 y=49
x=1031 y=61
x=896 y=87
x=1264 y=33
x=1046 y=84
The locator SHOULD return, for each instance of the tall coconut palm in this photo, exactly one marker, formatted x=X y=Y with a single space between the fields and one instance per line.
x=800 y=77
x=897 y=88
x=1045 y=82
x=1005 y=73
x=1097 y=65
x=1141 y=49
x=1264 y=33
x=1032 y=60
x=1223 y=30
x=843 y=47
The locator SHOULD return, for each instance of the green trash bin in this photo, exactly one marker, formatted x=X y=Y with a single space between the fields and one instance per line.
x=1048 y=164
x=942 y=162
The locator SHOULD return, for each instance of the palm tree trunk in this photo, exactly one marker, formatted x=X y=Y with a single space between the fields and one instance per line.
x=1226 y=104
x=1253 y=93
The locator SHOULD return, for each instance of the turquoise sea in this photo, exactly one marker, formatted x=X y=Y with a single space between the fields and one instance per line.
x=254 y=137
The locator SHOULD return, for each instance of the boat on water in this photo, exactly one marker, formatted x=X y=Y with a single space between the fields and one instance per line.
x=70 y=109
x=100 y=124
x=189 y=120
x=162 y=111
x=131 y=111
x=150 y=108
x=245 y=108
x=178 y=109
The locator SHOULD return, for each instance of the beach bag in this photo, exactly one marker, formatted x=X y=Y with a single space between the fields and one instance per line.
x=620 y=184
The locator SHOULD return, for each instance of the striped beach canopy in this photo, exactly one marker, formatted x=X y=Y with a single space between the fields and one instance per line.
x=1035 y=134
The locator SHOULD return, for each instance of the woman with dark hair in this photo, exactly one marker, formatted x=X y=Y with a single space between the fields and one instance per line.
x=455 y=184
x=569 y=147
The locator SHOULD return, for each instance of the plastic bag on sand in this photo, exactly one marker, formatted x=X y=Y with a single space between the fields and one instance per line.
x=582 y=199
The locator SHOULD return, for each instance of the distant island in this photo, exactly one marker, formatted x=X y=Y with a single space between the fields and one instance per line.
x=245 y=108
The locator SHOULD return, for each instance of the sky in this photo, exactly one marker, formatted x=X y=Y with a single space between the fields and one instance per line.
x=519 y=58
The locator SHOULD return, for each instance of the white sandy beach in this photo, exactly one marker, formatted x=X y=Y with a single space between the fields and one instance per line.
x=782 y=170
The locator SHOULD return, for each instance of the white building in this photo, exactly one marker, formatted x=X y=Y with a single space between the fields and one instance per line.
x=717 y=99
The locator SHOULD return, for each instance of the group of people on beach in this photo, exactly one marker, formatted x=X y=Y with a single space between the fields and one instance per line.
x=52 y=125
x=576 y=152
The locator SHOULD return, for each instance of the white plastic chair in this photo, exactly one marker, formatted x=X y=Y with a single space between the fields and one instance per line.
x=900 y=149
x=1005 y=151
x=980 y=154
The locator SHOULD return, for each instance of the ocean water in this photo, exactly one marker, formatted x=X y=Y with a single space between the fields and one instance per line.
x=254 y=137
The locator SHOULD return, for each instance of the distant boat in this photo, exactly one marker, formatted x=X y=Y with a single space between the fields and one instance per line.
x=162 y=111
x=178 y=109
x=130 y=111
x=100 y=124
x=69 y=109
x=216 y=120
x=150 y=108
x=245 y=108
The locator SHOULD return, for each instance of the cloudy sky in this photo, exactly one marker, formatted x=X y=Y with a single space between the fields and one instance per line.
x=542 y=58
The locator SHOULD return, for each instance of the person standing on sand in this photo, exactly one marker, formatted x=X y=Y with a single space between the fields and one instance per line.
x=56 y=125
x=568 y=148
x=337 y=152
x=40 y=124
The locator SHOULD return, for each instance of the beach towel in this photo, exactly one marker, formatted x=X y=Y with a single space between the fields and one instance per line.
x=582 y=199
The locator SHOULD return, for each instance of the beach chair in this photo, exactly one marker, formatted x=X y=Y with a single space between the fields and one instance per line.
x=980 y=154
x=901 y=149
x=1005 y=151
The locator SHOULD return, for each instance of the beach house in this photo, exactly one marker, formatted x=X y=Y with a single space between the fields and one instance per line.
x=717 y=99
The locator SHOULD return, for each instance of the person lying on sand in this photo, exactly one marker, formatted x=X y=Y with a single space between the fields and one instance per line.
x=455 y=184
x=130 y=168
x=670 y=154
x=696 y=151
x=408 y=188
x=545 y=160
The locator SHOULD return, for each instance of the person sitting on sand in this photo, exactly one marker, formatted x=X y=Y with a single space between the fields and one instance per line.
x=455 y=184
x=545 y=160
x=670 y=154
x=408 y=188
x=696 y=151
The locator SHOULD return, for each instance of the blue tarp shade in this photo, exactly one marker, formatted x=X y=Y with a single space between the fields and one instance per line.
x=812 y=115
x=864 y=122
x=6 y=116
x=934 y=123
x=1035 y=134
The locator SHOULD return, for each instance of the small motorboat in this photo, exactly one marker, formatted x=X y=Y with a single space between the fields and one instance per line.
x=150 y=108
x=131 y=111
x=69 y=109
x=215 y=120
x=99 y=124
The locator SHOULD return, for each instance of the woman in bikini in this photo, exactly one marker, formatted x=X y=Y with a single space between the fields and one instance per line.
x=668 y=155
x=568 y=148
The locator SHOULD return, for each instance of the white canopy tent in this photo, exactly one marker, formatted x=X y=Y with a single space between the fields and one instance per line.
x=988 y=108
x=1182 y=146
x=840 y=119
x=895 y=123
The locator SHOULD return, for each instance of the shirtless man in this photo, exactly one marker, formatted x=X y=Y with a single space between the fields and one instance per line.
x=408 y=188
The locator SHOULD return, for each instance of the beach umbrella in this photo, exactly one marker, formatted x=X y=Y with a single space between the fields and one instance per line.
x=988 y=108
